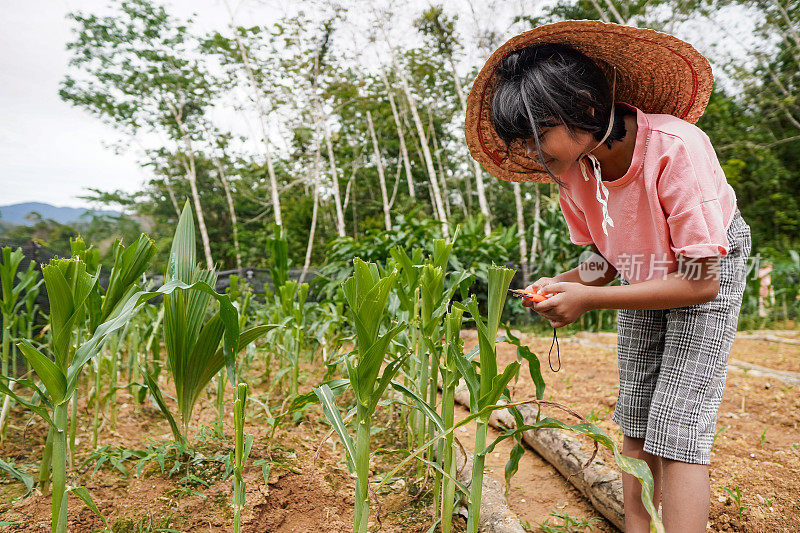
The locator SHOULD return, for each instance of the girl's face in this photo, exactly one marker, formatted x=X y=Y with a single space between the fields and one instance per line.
x=559 y=149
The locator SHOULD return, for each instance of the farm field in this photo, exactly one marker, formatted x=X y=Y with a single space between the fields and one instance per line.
x=303 y=490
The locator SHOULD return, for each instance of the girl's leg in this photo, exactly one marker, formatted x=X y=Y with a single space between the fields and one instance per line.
x=637 y=519
x=686 y=494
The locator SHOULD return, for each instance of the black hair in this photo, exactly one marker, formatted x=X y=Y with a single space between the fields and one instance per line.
x=548 y=85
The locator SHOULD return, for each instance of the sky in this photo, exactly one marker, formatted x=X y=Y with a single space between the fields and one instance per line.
x=52 y=152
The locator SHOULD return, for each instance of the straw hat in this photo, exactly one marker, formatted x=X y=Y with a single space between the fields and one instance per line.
x=656 y=72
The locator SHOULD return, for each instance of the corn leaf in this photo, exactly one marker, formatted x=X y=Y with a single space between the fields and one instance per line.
x=155 y=391
x=53 y=379
x=84 y=495
x=12 y=471
x=331 y=411
x=421 y=404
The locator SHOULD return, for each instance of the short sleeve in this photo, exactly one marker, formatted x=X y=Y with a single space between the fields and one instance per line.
x=690 y=187
x=576 y=221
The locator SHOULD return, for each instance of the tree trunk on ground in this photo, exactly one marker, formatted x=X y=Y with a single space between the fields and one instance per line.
x=523 y=244
x=379 y=164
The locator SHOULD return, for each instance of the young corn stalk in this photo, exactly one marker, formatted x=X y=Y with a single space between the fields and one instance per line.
x=485 y=389
x=453 y=349
x=241 y=452
x=367 y=294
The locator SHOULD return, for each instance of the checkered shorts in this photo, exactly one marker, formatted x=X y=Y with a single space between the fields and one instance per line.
x=673 y=363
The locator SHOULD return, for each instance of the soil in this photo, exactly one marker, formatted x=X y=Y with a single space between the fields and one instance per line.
x=757 y=451
x=310 y=489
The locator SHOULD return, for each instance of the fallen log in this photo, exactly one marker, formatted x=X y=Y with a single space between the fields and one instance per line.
x=495 y=515
x=599 y=483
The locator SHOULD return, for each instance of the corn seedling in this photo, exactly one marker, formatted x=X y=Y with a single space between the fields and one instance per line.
x=570 y=524
x=242 y=450
x=450 y=376
x=367 y=295
x=736 y=496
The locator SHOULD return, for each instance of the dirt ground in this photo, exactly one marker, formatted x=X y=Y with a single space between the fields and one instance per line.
x=310 y=489
x=756 y=451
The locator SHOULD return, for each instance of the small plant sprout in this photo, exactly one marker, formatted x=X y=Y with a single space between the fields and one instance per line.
x=717 y=434
x=736 y=496
x=763 y=438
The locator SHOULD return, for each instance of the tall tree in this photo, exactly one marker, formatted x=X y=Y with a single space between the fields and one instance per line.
x=138 y=72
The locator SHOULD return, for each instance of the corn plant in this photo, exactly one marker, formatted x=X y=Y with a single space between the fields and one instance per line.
x=367 y=294
x=12 y=296
x=485 y=388
x=242 y=451
x=450 y=376
x=192 y=342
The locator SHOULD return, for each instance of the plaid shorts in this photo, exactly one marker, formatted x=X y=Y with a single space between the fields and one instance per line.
x=673 y=363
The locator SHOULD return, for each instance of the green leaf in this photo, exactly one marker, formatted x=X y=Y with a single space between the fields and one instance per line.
x=84 y=495
x=26 y=479
x=421 y=404
x=52 y=378
x=534 y=366
x=331 y=411
x=162 y=406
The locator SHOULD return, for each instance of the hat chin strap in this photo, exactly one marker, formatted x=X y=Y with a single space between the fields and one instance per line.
x=602 y=192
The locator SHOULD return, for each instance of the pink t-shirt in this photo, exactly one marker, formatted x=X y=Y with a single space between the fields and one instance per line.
x=673 y=200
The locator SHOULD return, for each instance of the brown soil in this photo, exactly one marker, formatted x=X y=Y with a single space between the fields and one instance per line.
x=765 y=472
x=304 y=495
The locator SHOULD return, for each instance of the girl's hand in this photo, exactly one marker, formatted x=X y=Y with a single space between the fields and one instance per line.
x=569 y=301
x=536 y=286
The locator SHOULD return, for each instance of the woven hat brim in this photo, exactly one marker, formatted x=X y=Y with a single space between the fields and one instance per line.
x=655 y=72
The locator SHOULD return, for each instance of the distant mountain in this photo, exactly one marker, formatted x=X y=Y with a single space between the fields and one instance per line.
x=16 y=213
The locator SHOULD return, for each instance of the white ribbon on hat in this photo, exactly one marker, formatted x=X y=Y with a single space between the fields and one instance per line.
x=601 y=188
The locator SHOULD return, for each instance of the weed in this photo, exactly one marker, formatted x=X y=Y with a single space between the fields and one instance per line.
x=763 y=438
x=570 y=524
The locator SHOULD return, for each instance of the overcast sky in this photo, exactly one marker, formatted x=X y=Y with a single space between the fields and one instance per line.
x=50 y=151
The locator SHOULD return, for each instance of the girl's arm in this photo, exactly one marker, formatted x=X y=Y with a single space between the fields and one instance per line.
x=678 y=289
x=595 y=271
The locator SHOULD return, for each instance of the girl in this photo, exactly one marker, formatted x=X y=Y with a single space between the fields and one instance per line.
x=607 y=112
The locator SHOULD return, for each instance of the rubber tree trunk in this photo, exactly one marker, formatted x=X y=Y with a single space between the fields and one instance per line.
x=387 y=218
x=423 y=138
x=537 y=202
x=523 y=244
x=401 y=137
x=337 y=198
x=311 y=232
x=234 y=222
x=191 y=175
x=437 y=153
x=262 y=120
x=476 y=167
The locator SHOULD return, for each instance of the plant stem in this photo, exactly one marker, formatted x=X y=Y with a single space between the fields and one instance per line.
x=362 y=469
x=59 y=463
x=476 y=486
